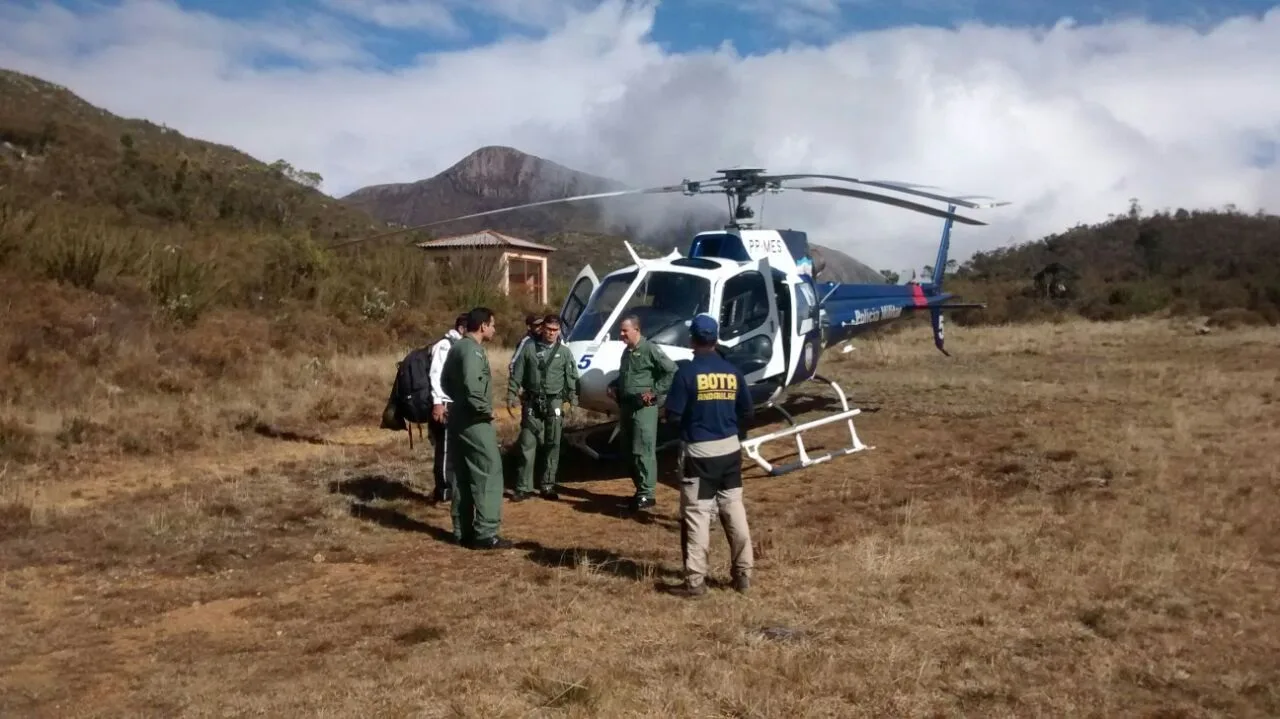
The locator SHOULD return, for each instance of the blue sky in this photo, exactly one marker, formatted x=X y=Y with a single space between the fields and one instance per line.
x=752 y=26
x=1173 y=103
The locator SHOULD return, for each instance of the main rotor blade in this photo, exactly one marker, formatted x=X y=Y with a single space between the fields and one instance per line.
x=576 y=198
x=895 y=201
x=910 y=189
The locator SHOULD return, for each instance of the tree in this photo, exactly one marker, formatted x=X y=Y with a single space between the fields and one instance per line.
x=302 y=177
x=310 y=179
x=890 y=276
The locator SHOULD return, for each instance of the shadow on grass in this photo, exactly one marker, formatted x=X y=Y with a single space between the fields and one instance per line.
x=371 y=487
x=393 y=519
x=375 y=487
x=616 y=506
x=598 y=560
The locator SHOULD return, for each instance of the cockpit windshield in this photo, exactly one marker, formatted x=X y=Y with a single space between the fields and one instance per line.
x=664 y=302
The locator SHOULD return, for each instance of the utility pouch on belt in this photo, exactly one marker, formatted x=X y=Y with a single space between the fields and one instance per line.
x=636 y=400
x=541 y=404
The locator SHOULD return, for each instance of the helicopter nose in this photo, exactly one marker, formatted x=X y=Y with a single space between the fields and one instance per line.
x=596 y=367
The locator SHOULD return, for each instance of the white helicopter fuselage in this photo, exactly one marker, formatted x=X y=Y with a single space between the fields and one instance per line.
x=600 y=367
x=740 y=292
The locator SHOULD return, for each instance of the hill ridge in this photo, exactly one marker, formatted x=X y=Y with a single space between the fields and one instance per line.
x=498 y=176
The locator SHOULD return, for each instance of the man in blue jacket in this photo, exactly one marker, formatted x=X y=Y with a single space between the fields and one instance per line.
x=709 y=402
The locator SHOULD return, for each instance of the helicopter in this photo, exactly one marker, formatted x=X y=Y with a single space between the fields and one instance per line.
x=775 y=318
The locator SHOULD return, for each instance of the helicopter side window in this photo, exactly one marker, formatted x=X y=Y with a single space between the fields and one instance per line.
x=745 y=306
x=804 y=301
x=723 y=245
x=665 y=303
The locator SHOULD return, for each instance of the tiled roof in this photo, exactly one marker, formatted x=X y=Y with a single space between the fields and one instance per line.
x=484 y=238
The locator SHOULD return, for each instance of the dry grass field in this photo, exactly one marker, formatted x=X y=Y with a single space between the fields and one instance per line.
x=1062 y=520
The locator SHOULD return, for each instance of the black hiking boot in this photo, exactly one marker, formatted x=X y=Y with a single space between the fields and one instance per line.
x=639 y=503
x=491 y=543
x=519 y=496
x=549 y=494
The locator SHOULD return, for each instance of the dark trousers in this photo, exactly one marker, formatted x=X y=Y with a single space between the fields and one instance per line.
x=442 y=464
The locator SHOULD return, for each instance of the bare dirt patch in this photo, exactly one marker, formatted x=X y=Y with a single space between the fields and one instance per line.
x=1068 y=519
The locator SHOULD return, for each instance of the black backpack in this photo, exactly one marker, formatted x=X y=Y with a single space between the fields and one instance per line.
x=410 y=399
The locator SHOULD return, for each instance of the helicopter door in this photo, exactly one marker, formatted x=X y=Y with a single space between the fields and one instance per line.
x=749 y=324
x=806 y=340
x=576 y=301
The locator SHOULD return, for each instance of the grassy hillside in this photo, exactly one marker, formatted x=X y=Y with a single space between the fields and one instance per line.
x=1221 y=263
x=128 y=208
x=149 y=278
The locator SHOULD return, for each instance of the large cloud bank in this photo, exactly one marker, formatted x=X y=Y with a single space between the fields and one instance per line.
x=1066 y=122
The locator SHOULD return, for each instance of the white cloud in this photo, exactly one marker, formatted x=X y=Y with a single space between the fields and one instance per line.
x=1068 y=122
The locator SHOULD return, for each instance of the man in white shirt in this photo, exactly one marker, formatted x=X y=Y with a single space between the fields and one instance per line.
x=441 y=469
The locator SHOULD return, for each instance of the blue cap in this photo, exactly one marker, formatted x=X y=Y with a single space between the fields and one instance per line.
x=704 y=328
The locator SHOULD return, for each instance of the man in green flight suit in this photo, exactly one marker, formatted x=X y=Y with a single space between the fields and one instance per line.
x=644 y=376
x=546 y=371
x=473 y=441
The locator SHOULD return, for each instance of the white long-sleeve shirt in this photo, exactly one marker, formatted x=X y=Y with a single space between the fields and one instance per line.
x=439 y=351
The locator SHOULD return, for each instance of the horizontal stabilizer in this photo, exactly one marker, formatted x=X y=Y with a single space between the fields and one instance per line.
x=956 y=306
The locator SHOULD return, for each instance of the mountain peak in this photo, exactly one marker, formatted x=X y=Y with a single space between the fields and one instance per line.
x=496 y=150
x=509 y=173
x=498 y=176
x=492 y=156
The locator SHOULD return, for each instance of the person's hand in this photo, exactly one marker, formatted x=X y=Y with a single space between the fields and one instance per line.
x=647 y=398
x=438 y=413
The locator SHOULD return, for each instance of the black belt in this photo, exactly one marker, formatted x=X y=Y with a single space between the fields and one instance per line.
x=542 y=402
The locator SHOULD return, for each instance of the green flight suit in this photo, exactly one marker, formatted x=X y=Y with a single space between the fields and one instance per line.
x=543 y=377
x=473 y=441
x=644 y=368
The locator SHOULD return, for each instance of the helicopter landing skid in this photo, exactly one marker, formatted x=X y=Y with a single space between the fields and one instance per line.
x=578 y=440
x=752 y=446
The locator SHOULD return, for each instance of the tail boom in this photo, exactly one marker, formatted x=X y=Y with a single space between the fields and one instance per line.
x=850 y=310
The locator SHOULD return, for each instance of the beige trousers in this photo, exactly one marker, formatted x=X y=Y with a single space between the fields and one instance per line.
x=696 y=530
